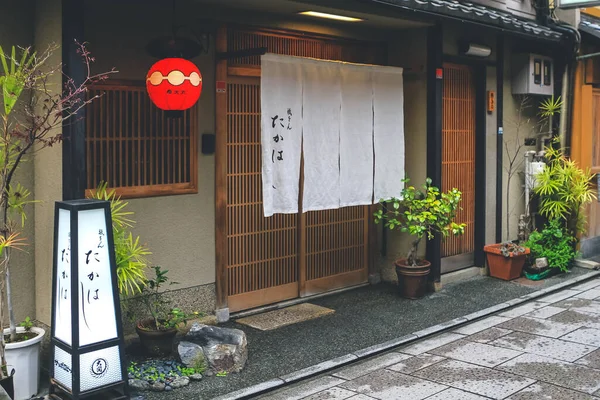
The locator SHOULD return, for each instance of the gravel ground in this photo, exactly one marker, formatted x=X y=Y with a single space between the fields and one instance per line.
x=363 y=317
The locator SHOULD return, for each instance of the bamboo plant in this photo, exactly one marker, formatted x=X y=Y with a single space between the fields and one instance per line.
x=32 y=114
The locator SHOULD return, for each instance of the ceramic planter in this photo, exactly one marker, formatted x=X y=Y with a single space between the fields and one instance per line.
x=506 y=268
x=155 y=342
x=24 y=357
x=412 y=280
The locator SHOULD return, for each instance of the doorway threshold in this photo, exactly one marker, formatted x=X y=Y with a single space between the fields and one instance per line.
x=293 y=302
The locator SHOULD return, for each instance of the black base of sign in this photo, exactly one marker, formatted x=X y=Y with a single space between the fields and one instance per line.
x=119 y=391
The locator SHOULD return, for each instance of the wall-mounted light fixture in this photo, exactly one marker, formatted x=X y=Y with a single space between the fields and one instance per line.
x=474 y=49
x=330 y=16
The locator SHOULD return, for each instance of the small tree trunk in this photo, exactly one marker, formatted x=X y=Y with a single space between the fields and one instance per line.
x=508 y=206
x=9 y=305
x=411 y=259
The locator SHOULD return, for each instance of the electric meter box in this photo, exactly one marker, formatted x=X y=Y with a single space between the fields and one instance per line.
x=532 y=74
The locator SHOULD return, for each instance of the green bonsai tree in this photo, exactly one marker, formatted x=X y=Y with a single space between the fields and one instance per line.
x=420 y=213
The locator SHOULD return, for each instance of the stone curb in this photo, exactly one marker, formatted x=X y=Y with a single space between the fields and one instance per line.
x=328 y=365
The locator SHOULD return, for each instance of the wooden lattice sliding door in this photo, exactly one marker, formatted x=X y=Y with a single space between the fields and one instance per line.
x=458 y=160
x=284 y=256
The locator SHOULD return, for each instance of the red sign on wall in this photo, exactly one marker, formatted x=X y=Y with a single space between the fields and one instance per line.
x=221 y=86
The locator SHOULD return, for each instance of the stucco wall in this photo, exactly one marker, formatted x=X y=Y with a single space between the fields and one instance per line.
x=48 y=165
x=409 y=50
x=18 y=31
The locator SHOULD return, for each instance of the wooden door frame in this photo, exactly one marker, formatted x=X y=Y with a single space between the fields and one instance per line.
x=479 y=69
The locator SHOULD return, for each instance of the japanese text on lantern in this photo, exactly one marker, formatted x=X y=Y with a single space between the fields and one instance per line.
x=96 y=303
x=281 y=125
x=63 y=278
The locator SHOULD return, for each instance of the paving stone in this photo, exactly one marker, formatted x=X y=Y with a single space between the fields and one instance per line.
x=455 y=394
x=361 y=397
x=486 y=311
x=481 y=325
x=587 y=336
x=476 y=353
x=317 y=368
x=489 y=335
x=577 y=318
x=305 y=389
x=580 y=305
x=363 y=368
x=589 y=294
x=591 y=360
x=251 y=390
x=543 y=346
x=544 y=327
x=550 y=370
x=416 y=363
x=387 y=384
x=587 y=285
x=524 y=309
x=334 y=393
x=475 y=379
x=543 y=390
x=558 y=296
x=545 y=312
x=439 y=327
x=430 y=344
x=381 y=347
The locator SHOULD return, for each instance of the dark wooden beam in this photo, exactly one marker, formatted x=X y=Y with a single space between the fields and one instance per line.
x=480 y=160
x=73 y=164
x=434 y=132
x=499 y=133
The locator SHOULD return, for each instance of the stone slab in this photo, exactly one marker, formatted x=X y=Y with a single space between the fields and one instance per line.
x=251 y=390
x=544 y=327
x=379 y=348
x=550 y=370
x=318 y=368
x=481 y=325
x=578 y=318
x=559 y=296
x=543 y=346
x=475 y=379
x=486 y=311
x=591 y=294
x=588 y=336
x=361 y=397
x=541 y=390
x=580 y=305
x=591 y=284
x=455 y=394
x=439 y=327
x=387 y=384
x=285 y=316
x=522 y=310
x=591 y=360
x=430 y=344
x=416 y=363
x=363 y=368
x=305 y=389
x=489 y=335
x=545 y=312
x=476 y=353
x=334 y=393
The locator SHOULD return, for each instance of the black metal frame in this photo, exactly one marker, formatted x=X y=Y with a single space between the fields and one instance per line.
x=120 y=390
x=499 y=132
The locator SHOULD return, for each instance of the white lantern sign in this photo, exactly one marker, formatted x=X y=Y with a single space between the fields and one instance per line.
x=87 y=336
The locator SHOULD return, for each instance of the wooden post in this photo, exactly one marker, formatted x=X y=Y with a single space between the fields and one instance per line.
x=73 y=154
x=221 y=179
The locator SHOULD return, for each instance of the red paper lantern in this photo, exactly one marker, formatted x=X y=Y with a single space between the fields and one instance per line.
x=174 y=84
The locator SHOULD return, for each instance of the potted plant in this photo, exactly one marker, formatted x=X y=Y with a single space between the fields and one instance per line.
x=506 y=259
x=157 y=331
x=555 y=245
x=420 y=213
x=31 y=113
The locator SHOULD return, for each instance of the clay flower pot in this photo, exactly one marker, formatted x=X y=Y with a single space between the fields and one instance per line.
x=155 y=342
x=501 y=267
x=412 y=280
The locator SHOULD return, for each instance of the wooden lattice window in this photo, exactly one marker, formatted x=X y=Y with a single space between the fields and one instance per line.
x=134 y=147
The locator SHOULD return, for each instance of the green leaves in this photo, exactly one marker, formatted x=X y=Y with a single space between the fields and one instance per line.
x=553 y=243
x=16 y=76
x=422 y=212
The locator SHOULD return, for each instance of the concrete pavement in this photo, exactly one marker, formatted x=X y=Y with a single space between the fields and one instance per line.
x=543 y=349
